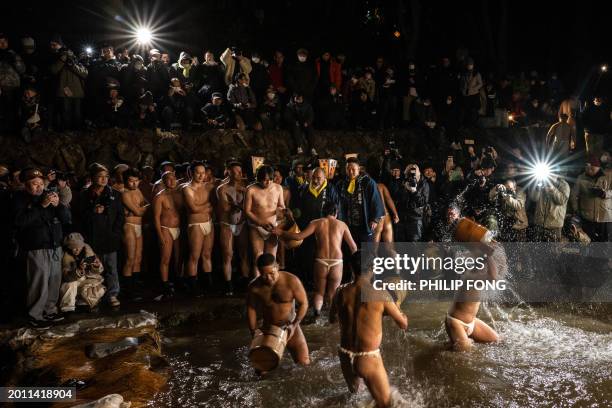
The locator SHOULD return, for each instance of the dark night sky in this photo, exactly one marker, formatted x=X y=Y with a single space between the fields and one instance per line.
x=567 y=37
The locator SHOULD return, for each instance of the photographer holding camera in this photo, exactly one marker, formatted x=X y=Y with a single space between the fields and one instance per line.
x=81 y=275
x=411 y=197
x=102 y=225
x=69 y=76
x=39 y=220
x=591 y=200
x=510 y=203
x=477 y=203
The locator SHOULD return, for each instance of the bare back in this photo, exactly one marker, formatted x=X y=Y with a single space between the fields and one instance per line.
x=329 y=233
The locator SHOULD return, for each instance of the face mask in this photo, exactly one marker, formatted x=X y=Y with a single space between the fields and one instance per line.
x=255 y=60
x=426 y=103
x=301 y=58
x=411 y=67
x=138 y=66
x=449 y=101
x=271 y=95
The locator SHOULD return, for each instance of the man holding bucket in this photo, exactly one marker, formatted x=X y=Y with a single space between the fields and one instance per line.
x=275 y=293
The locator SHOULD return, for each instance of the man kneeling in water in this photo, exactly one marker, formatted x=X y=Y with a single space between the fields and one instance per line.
x=361 y=332
x=465 y=308
x=275 y=293
x=330 y=233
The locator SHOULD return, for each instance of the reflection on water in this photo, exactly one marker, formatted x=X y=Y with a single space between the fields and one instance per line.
x=547 y=358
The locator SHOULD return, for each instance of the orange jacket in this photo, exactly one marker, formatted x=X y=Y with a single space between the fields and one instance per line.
x=335 y=72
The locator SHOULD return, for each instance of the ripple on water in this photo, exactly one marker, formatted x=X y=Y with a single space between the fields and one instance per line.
x=540 y=362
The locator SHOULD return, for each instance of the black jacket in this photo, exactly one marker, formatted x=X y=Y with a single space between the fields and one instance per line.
x=102 y=231
x=37 y=227
x=302 y=79
x=158 y=79
x=410 y=205
x=311 y=206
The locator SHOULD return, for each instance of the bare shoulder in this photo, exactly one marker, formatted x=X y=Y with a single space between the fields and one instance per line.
x=254 y=285
x=291 y=279
x=160 y=195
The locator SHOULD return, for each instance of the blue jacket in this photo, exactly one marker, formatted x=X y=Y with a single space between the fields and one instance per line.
x=373 y=207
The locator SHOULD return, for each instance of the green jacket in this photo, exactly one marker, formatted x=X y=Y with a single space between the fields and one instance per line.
x=70 y=79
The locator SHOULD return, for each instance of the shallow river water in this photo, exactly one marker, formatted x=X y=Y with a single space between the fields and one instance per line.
x=549 y=357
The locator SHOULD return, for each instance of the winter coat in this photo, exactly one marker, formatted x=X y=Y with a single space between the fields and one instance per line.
x=238 y=94
x=588 y=205
x=11 y=67
x=513 y=206
x=335 y=72
x=373 y=207
x=551 y=205
x=471 y=83
x=101 y=72
x=244 y=66
x=158 y=78
x=177 y=70
x=38 y=227
x=209 y=78
x=259 y=79
x=310 y=206
x=299 y=113
x=302 y=79
x=102 y=231
x=369 y=86
x=278 y=75
x=410 y=206
x=70 y=77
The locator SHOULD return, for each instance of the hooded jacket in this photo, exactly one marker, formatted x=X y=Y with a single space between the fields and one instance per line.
x=177 y=70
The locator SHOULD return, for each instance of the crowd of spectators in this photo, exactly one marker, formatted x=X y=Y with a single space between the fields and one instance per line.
x=53 y=86
x=71 y=250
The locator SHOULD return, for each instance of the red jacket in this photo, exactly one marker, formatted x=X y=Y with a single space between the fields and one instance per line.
x=277 y=75
x=335 y=72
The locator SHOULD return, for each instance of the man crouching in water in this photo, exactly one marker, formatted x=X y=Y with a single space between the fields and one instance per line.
x=467 y=302
x=361 y=332
x=275 y=293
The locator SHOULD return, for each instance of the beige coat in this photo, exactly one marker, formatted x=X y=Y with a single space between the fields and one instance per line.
x=589 y=206
x=230 y=66
x=514 y=207
x=551 y=206
x=88 y=285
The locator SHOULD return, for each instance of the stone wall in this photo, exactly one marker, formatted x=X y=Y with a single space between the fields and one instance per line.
x=73 y=151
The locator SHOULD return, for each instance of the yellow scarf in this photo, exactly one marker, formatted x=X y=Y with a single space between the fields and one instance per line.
x=300 y=180
x=186 y=70
x=316 y=192
x=351 y=186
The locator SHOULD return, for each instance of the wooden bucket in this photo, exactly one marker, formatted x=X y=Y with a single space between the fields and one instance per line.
x=470 y=231
x=290 y=243
x=267 y=348
x=398 y=295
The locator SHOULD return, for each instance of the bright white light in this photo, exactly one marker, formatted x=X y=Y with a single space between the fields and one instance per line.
x=541 y=171
x=143 y=36
x=604 y=68
x=88 y=50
